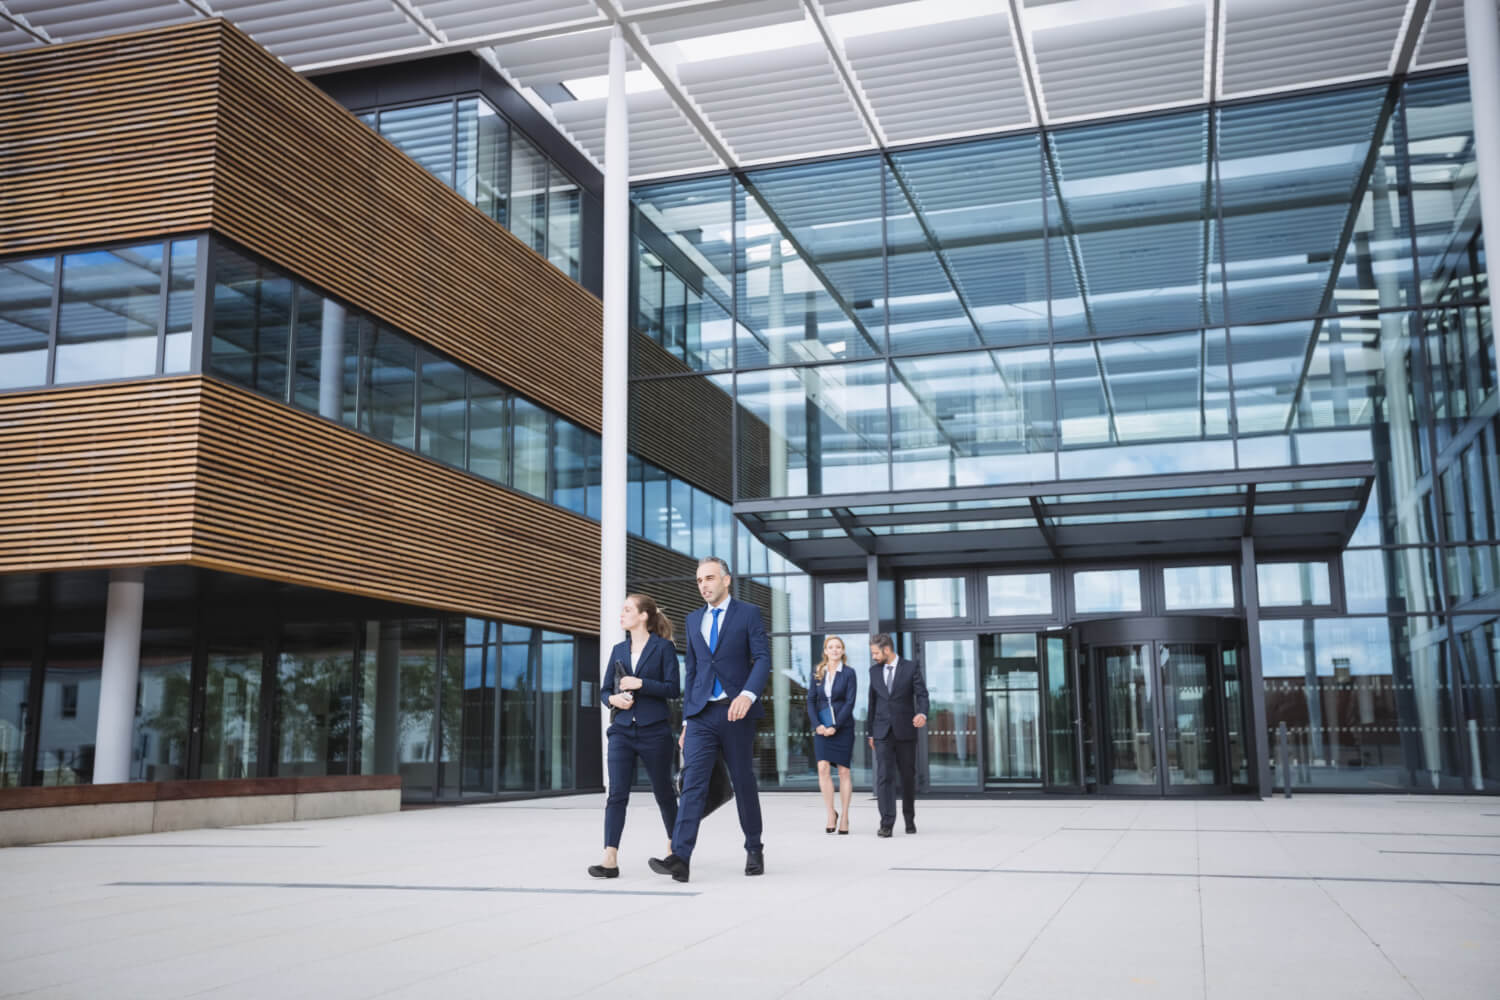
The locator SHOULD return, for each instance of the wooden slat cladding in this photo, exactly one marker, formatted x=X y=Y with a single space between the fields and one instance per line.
x=193 y=471
x=194 y=127
x=100 y=476
x=304 y=182
x=287 y=496
x=109 y=139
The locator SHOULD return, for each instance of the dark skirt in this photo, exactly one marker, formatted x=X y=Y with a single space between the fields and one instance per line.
x=836 y=749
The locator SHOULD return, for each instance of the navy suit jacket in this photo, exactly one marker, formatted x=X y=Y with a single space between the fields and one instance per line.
x=841 y=707
x=657 y=670
x=741 y=662
x=891 y=712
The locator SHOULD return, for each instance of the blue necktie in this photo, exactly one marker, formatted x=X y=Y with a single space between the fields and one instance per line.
x=713 y=642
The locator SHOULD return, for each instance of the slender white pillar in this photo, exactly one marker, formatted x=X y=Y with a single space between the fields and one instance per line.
x=616 y=439
x=331 y=363
x=120 y=671
x=1482 y=43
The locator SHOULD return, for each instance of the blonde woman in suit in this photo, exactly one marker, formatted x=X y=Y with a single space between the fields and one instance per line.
x=830 y=706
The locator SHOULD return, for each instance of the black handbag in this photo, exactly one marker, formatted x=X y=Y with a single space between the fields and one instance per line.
x=619 y=672
x=720 y=788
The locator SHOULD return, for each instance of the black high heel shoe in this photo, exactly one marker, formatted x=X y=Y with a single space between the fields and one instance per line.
x=830 y=829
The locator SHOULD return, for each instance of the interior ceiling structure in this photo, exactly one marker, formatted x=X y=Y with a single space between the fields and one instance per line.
x=719 y=84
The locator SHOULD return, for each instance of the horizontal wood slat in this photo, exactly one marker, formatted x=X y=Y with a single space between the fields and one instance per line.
x=194 y=127
x=195 y=471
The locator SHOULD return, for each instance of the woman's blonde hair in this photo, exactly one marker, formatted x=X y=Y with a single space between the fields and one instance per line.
x=821 y=670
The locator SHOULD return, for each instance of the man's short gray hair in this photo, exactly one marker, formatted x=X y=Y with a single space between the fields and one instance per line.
x=723 y=566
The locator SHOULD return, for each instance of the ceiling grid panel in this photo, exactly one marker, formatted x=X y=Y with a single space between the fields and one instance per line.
x=661 y=139
x=1277 y=45
x=300 y=30
x=1442 y=42
x=70 y=20
x=461 y=18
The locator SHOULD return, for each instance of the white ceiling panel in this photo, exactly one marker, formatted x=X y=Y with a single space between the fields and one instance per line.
x=472 y=18
x=941 y=79
x=562 y=57
x=662 y=29
x=1281 y=44
x=1443 y=40
x=68 y=20
x=1121 y=62
x=302 y=31
x=774 y=105
x=12 y=37
x=661 y=140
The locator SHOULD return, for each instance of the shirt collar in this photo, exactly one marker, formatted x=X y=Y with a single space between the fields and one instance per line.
x=725 y=603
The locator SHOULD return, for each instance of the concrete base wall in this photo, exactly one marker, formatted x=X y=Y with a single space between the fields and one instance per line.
x=48 y=824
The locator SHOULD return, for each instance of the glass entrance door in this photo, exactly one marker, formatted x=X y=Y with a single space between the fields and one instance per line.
x=1160 y=703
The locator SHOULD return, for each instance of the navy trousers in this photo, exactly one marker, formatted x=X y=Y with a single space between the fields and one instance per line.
x=710 y=733
x=652 y=743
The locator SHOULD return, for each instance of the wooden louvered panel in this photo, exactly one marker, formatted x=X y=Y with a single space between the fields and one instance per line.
x=291 y=497
x=194 y=127
x=98 y=476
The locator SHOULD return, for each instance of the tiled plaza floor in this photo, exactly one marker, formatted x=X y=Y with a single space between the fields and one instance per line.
x=1325 y=897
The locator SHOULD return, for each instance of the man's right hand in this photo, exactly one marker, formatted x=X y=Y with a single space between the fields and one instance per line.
x=682 y=739
x=872 y=741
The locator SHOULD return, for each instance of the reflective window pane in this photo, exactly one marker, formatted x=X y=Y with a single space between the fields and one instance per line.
x=159 y=745
x=489 y=429
x=251 y=322
x=1019 y=594
x=557 y=711
x=388 y=387
x=25 y=321
x=1099 y=591
x=180 y=306
x=953 y=715
x=231 y=727
x=315 y=677
x=1292 y=584
x=528 y=194
x=483 y=158
x=1189 y=587
x=849 y=601
x=424 y=133
x=569 y=463
x=564 y=231
x=110 y=314
x=529 y=444
x=935 y=597
x=443 y=409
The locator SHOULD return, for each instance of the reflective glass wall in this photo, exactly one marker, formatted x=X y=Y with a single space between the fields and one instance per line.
x=1269 y=283
x=241 y=678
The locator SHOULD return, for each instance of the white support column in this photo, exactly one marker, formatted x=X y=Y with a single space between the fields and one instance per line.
x=120 y=670
x=331 y=363
x=1482 y=43
x=616 y=440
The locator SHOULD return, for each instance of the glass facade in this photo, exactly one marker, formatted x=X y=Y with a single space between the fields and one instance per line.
x=1269 y=316
x=241 y=678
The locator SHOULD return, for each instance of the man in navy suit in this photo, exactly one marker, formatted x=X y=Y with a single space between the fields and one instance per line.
x=727 y=664
x=898 y=708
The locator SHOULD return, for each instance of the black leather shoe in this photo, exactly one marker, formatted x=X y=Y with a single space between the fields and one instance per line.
x=755 y=862
x=911 y=827
x=599 y=871
x=671 y=865
x=884 y=831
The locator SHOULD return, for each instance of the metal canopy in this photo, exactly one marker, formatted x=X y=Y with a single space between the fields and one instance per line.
x=1310 y=507
x=733 y=83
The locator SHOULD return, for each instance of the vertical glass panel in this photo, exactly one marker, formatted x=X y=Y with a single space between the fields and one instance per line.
x=593 y=471
x=1366 y=703
x=358 y=329
x=25 y=321
x=1190 y=730
x=674 y=314
x=180 y=301
x=1011 y=670
x=935 y=597
x=1234 y=716
x=251 y=322
x=388 y=387
x=1129 y=715
x=682 y=517
x=973 y=419
x=483 y=157
x=424 y=133
x=1019 y=594
x=658 y=506
x=1479 y=664
x=110 y=314
x=723 y=536
x=703 y=522
x=814 y=430
x=443 y=409
x=1062 y=714
x=650 y=272
x=1377 y=265
x=1098 y=591
x=159 y=746
x=409 y=678
x=635 y=476
x=489 y=429
x=1444 y=179
x=480 y=705
x=564 y=232
x=981 y=203
x=697 y=216
x=952 y=719
x=528 y=195
x=518 y=700
x=1292 y=584
x=558 y=711
x=809 y=273
x=70 y=708
x=1290 y=172
x=785 y=600
x=1134 y=218
x=529 y=429
x=451 y=717
x=315 y=686
x=15 y=693
x=307 y=350
x=568 y=465
x=1198 y=587
x=231 y=716
x=846 y=601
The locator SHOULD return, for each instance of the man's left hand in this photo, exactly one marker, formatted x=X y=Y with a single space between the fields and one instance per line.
x=919 y=721
x=740 y=707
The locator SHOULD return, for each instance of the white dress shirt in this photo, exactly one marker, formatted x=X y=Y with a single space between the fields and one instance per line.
x=708 y=625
